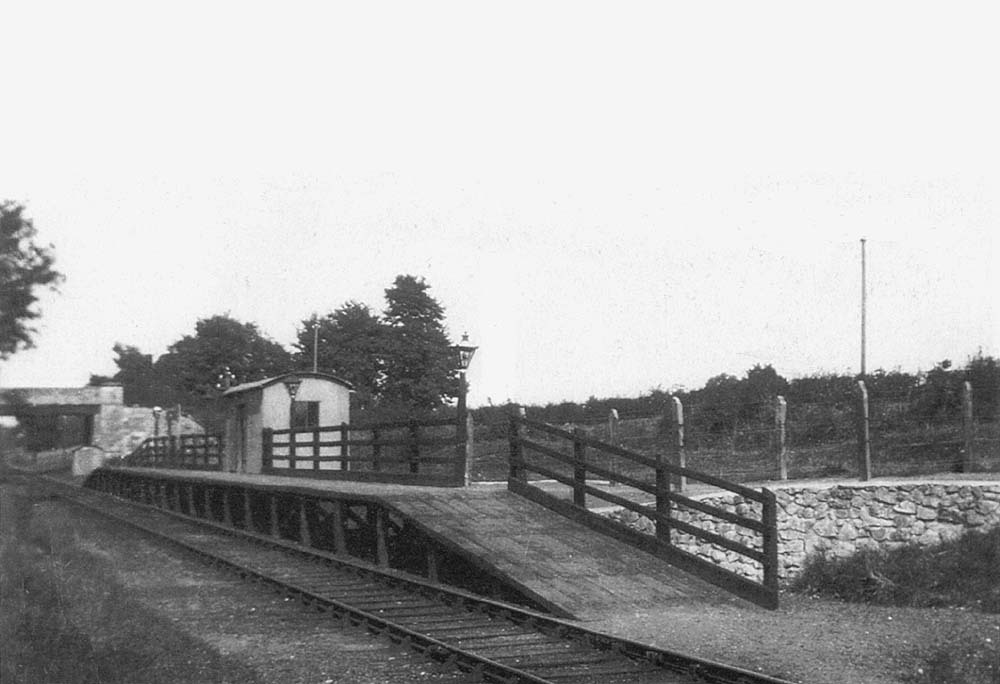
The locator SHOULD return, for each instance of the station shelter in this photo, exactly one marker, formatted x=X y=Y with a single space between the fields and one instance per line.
x=290 y=400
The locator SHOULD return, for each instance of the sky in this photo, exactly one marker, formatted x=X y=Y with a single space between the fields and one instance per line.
x=608 y=197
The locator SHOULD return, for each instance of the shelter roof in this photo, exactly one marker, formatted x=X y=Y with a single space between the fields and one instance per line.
x=266 y=382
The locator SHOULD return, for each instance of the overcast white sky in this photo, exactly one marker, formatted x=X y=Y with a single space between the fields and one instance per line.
x=608 y=197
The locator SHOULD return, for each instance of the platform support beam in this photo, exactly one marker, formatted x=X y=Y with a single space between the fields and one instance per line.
x=227 y=510
x=273 y=518
x=189 y=494
x=305 y=538
x=381 y=542
x=432 y=565
x=339 y=536
x=248 y=511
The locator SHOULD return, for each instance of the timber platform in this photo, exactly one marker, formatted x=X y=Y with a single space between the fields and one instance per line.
x=563 y=564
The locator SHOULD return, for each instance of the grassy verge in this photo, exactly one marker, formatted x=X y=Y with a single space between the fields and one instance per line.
x=65 y=619
x=963 y=573
x=960 y=573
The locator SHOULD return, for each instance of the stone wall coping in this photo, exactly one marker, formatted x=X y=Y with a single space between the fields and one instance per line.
x=699 y=492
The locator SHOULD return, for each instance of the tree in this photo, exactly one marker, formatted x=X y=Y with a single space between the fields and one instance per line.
x=25 y=267
x=193 y=363
x=983 y=373
x=351 y=340
x=419 y=370
x=142 y=383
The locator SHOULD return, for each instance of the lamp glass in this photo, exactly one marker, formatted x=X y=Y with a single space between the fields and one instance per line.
x=292 y=385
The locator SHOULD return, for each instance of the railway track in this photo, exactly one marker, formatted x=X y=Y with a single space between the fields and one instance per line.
x=491 y=640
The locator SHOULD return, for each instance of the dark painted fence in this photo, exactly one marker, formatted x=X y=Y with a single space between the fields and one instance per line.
x=576 y=460
x=421 y=452
x=187 y=452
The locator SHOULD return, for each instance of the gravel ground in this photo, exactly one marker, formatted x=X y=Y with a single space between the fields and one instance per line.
x=806 y=640
x=812 y=640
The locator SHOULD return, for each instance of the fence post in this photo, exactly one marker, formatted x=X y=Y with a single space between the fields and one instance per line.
x=464 y=448
x=613 y=439
x=345 y=448
x=172 y=452
x=968 y=428
x=864 y=437
x=780 y=416
x=316 y=448
x=292 y=464
x=268 y=449
x=662 y=522
x=579 y=469
x=515 y=457
x=677 y=439
x=769 y=519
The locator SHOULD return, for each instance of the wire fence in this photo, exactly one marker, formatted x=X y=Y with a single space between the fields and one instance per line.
x=909 y=433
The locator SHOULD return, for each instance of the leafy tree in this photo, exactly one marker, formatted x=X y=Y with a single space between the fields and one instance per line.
x=24 y=268
x=193 y=363
x=983 y=373
x=418 y=359
x=716 y=407
x=351 y=340
x=143 y=384
x=939 y=396
x=761 y=385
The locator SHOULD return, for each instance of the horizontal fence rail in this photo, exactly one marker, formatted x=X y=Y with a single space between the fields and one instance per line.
x=424 y=452
x=187 y=452
x=576 y=460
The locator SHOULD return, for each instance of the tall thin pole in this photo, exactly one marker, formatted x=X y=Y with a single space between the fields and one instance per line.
x=316 y=346
x=864 y=305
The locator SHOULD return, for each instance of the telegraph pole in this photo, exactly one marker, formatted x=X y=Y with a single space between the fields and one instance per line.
x=864 y=303
x=316 y=345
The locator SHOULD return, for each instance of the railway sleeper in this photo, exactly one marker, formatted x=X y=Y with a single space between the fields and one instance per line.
x=418 y=623
x=603 y=669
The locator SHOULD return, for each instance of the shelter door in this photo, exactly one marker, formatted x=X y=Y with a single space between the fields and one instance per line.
x=241 y=447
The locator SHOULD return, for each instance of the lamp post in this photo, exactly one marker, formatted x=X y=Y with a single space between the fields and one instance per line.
x=464 y=352
x=156 y=420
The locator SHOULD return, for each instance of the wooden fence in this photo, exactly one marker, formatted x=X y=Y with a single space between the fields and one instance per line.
x=187 y=452
x=421 y=452
x=589 y=457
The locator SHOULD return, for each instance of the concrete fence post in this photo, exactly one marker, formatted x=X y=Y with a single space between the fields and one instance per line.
x=968 y=428
x=780 y=417
x=864 y=436
x=677 y=440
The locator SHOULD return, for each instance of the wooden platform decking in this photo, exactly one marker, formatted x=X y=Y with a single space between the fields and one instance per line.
x=587 y=574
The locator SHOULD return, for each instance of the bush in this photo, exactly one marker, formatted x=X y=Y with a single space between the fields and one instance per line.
x=959 y=573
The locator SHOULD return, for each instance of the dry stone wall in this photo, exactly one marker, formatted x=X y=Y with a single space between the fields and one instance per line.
x=840 y=520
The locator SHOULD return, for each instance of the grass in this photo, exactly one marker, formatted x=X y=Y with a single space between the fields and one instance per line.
x=65 y=619
x=963 y=573
x=959 y=573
